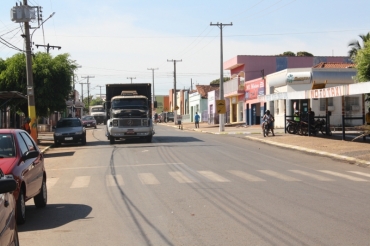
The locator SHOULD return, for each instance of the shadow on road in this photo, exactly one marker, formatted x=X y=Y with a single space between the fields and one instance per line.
x=53 y=216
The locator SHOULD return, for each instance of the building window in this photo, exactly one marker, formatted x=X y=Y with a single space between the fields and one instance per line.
x=323 y=103
x=351 y=103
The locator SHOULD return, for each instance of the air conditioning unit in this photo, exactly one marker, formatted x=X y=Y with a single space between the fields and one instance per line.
x=331 y=108
x=355 y=107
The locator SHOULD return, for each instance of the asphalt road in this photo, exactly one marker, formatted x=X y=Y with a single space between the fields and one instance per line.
x=191 y=188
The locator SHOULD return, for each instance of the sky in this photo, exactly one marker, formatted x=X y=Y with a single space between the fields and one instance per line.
x=115 y=40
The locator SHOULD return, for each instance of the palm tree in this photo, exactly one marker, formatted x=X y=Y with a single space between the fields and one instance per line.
x=355 y=45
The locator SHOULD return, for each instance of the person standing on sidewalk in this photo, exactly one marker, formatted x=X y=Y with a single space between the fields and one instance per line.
x=26 y=125
x=367 y=118
x=196 y=119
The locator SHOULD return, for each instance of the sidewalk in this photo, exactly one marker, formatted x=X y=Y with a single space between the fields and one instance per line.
x=357 y=152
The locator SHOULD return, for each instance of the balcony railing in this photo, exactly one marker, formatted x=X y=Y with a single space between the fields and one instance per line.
x=234 y=87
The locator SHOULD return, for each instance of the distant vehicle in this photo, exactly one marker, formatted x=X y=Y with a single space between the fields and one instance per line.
x=21 y=157
x=129 y=114
x=169 y=116
x=69 y=130
x=98 y=112
x=88 y=121
x=8 y=225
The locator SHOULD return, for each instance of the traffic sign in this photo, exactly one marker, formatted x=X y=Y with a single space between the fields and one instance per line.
x=221 y=106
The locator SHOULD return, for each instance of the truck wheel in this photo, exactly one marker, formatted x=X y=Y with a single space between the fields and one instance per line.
x=111 y=140
x=149 y=139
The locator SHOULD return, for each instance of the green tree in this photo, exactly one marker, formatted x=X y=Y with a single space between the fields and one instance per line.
x=217 y=81
x=356 y=46
x=303 y=53
x=287 y=53
x=362 y=60
x=52 y=79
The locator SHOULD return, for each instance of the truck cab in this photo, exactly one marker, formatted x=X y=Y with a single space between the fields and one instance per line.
x=99 y=114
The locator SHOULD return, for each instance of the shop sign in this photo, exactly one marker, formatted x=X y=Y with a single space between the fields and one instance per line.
x=336 y=91
x=254 y=89
x=299 y=78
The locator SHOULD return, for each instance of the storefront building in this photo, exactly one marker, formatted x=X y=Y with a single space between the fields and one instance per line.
x=254 y=108
x=300 y=80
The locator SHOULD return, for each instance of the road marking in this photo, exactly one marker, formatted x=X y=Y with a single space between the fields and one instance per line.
x=50 y=182
x=114 y=180
x=180 y=177
x=311 y=175
x=81 y=182
x=148 y=178
x=360 y=173
x=246 y=176
x=278 y=175
x=116 y=166
x=213 y=176
x=343 y=176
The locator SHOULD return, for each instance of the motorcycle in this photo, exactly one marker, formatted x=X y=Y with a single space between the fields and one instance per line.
x=292 y=127
x=266 y=128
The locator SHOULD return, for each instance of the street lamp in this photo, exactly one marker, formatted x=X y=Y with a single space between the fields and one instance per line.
x=42 y=24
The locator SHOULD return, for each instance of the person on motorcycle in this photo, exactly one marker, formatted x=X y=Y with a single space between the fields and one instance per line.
x=297 y=116
x=268 y=118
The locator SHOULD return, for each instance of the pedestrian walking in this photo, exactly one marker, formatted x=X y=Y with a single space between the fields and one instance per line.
x=196 y=119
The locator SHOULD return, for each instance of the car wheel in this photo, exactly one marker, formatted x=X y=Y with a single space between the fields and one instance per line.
x=111 y=140
x=56 y=144
x=16 y=238
x=149 y=139
x=41 y=198
x=95 y=127
x=21 y=208
x=84 y=140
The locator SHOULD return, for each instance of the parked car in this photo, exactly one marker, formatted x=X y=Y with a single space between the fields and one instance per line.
x=69 y=130
x=8 y=225
x=21 y=157
x=88 y=121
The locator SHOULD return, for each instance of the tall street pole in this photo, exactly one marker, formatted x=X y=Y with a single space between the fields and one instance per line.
x=30 y=89
x=174 y=90
x=221 y=96
x=153 y=83
x=88 y=89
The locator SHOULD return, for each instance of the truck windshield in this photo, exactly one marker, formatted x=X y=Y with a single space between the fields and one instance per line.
x=132 y=103
x=97 y=109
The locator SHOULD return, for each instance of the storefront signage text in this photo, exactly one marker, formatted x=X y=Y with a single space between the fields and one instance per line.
x=327 y=92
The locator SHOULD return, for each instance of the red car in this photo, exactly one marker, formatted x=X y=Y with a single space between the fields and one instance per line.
x=21 y=157
x=88 y=121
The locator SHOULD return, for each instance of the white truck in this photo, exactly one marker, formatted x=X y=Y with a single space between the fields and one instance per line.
x=129 y=114
x=99 y=114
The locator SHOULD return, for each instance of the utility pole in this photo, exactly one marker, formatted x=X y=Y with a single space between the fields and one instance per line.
x=100 y=86
x=48 y=47
x=131 y=78
x=82 y=91
x=221 y=116
x=174 y=89
x=30 y=89
x=153 y=83
x=88 y=91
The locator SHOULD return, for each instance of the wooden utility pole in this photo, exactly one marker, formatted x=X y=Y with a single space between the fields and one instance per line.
x=174 y=89
x=88 y=88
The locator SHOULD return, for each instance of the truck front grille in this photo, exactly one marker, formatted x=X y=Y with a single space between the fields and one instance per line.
x=133 y=122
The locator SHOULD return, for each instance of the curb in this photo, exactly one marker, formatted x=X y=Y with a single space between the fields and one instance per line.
x=45 y=149
x=311 y=151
